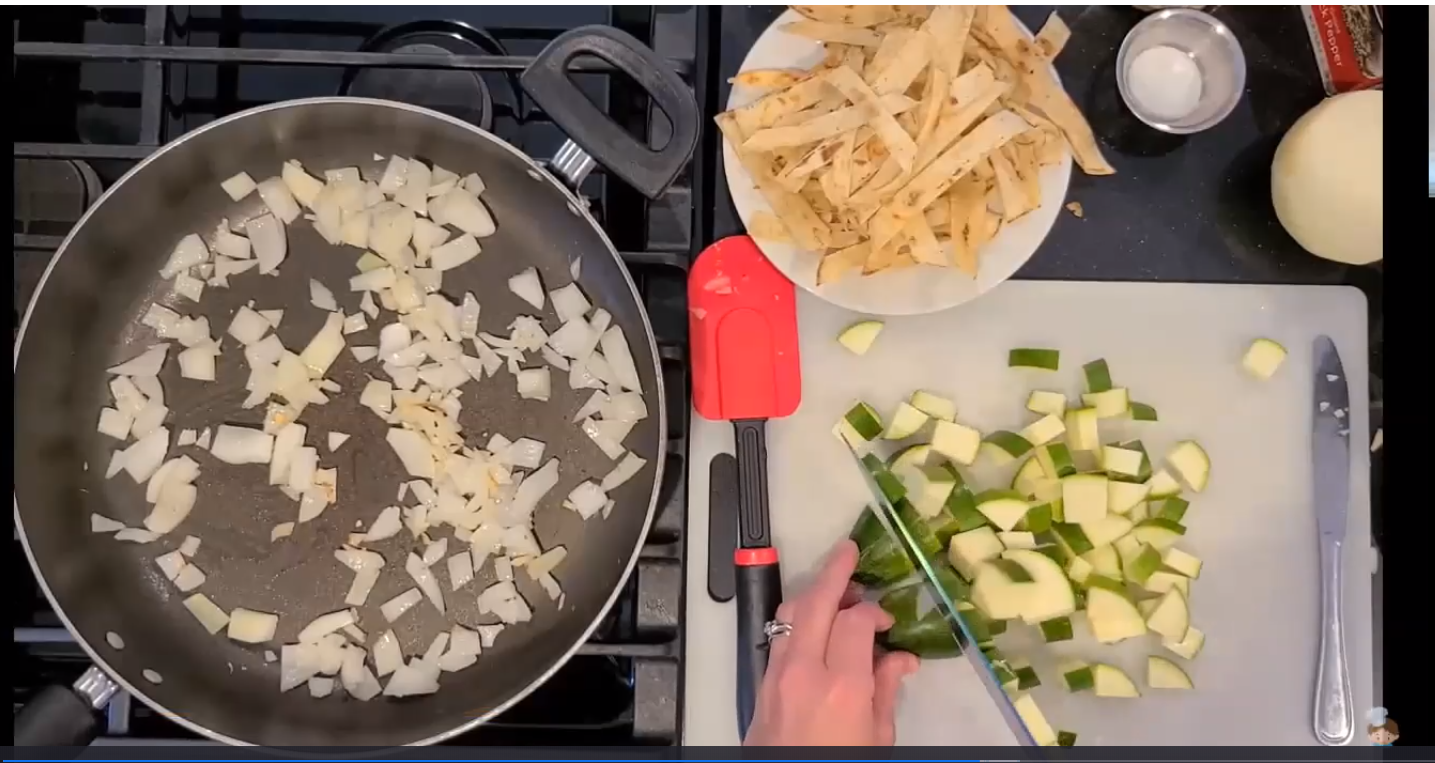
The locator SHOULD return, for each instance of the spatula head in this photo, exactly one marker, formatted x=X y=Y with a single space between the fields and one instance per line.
x=742 y=320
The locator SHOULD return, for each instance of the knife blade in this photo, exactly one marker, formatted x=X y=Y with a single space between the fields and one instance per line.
x=1330 y=466
x=886 y=512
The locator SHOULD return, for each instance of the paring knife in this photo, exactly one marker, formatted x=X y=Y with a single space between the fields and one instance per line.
x=869 y=465
x=1330 y=463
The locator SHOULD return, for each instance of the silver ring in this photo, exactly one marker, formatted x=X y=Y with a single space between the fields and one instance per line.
x=774 y=628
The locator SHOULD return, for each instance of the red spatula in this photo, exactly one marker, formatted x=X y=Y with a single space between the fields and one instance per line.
x=743 y=329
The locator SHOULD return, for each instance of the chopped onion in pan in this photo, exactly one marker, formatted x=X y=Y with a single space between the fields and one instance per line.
x=229 y=244
x=504 y=600
x=302 y=186
x=100 y=523
x=148 y=419
x=355 y=323
x=533 y=488
x=370 y=262
x=441 y=175
x=204 y=438
x=587 y=499
x=321 y=686
x=414 y=192
x=266 y=351
x=302 y=466
x=362 y=586
x=269 y=241
x=393 y=339
x=394 y=608
x=150 y=387
x=239 y=186
x=281 y=530
x=435 y=551
x=574 y=339
x=128 y=398
x=207 y=613
x=413 y=679
x=136 y=535
x=189 y=287
x=546 y=562
x=145 y=456
x=190 y=546
x=162 y=319
x=325 y=347
x=599 y=370
x=569 y=302
x=197 y=363
x=388 y=656
x=297 y=664
x=311 y=504
x=367 y=306
x=378 y=396
x=190 y=251
x=170 y=564
x=523 y=453
x=326 y=624
x=425 y=580
x=225 y=267
x=460 y=569
x=321 y=297
x=612 y=449
x=488 y=634
x=528 y=287
x=242 y=445
x=359 y=559
x=620 y=359
x=391 y=227
x=464 y=211
x=250 y=627
x=534 y=384
x=616 y=431
x=554 y=359
x=503 y=568
x=189 y=578
x=186 y=436
x=427 y=236
x=395 y=174
x=413 y=451
x=276 y=418
x=337 y=439
x=181 y=469
x=147 y=363
x=355 y=676
x=248 y=326
x=450 y=255
x=599 y=324
x=280 y=201
x=115 y=424
x=624 y=471
x=550 y=586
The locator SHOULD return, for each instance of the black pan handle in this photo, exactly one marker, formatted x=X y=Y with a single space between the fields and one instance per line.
x=57 y=717
x=546 y=80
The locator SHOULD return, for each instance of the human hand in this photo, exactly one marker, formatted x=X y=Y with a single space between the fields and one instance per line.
x=825 y=683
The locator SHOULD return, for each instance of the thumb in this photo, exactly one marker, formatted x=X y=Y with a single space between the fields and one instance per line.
x=891 y=669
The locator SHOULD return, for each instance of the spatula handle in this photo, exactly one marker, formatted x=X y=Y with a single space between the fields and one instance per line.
x=751 y=445
x=759 y=580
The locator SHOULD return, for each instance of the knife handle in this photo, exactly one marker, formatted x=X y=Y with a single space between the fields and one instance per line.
x=1334 y=714
x=759 y=591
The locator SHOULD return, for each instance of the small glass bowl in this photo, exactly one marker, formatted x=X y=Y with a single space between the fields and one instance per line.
x=1217 y=54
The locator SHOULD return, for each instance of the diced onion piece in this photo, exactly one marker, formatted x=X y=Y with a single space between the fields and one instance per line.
x=197 y=363
x=190 y=251
x=362 y=586
x=321 y=686
x=378 y=395
x=186 y=436
x=395 y=175
x=394 y=608
x=464 y=211
x=145 y=456
x=413 y=679
x=281 y=530
x=182 y=469
x=370 y=262
x=288 y=440
x=248 y=326
x=170 y=564
x=250 y=627
x=321 y=297
x=504 y=600
x=391 y=227
x=115 y=424
x=587 y=499
x=189 y=287
x=136 y=535
x=100 y=523
x=269 y=240
x=274 y=317
x=364 y=354
x=546 y=562
x=425 y=580
x=239 y=186
x=524 y=453
x=460 y=569
x=427 y=237
x=534 y=384
x=574 y=339
x=414 y=192
x=610 y=447
x=413 y=451
x=204 y=439
x=242 y=445
x=569 y=302
x=190 y=546
x=325 y=347
x=225 y=267
x=367 y=306
x=356 y=678
x=207 y=613
x=355 y=323
x=150 y=386
x=302 y=186
x=265 y=352
x=148 y=419
x=162 y=319
x=189 y=578
x=128 y=398
x=175 y=502
x=147 y=363
x=326 y=624
x=620 y=359
x=302 y=468
x=533 y=488
x=337 y=439
x=297 y=664
x=280 y=201
x=528 y=287
x=454 y=253
x=388 y=655
x=393 y=339
x=229 y=244
x=624 y=471
x=311 y=504
x=550 y=586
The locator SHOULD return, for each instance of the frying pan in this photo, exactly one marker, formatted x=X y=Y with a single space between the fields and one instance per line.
x=85 y=317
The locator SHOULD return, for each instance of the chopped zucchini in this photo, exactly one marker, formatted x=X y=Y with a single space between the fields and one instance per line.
x=1104 y=561
x=1142 y=565
x=1073 y=537
x=881 y=561
x=1004 y=446
x=1122 y=460
x=1017 y=539
x=1182 y=562
x=1028 y=477
x=918 y=528
x=969 y=549
x=1038 y=518
x=1111 y=682
x=1147 y=606
x=1142 y=412
x=1098 y=375
x=1110 y=404
x=1035 y=721
x=1112 y=614
x=928 y=487
x=1081 y=429
x=1030 y=357
x=1171 y=617
x=934 y=406
x=1122 y=497
x=1013 y=571
x=1163 y=485
x=1162 y=581
x=957 y=442
x=1055 y=459
x=1078 y=570
x=1004 y=508
x=1083 y=497
x=1191 y=462
x=1044 y=429
x=1139 y=512
x=1263 y=358
x=887 y=482
x=859 y=336
x=1188 y=647
x=1066 y=739
x=859 y=426
x=1077 y=676
x=963 y=507
x=1161 y=673
x=1050 y=595
x=930 y=637
x=1160 y=533
x=1026 y=677
x=906 y=422
x=997 y=595
x=1056 y=629
x=1050 y=403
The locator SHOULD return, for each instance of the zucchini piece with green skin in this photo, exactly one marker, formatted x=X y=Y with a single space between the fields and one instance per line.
x=1056 y=629
x=1004 y=508
x=963 y=507
x=887 y=482
x=1055 y=459
x=1032 y=357
x=910 y=457
x=1077 y=676
x=1263 y=358
x=981 y=628
x=1163 y=485
x=997 y=595
x=1104 y=561
x=1066 y=739
x=1190 y=461
x=1142 y=412
x=1182 y=562
x=1144 y=472
x=859 y=426
x=1044 y=430
x=1111 y=613
x=858 y=337
x=934 y=406
x=1111 y=404
x=881 y=561
x=1055 y=553
x=930 y=637
x=1003 y=447
x=1139 y=513
x=1082 y=430
x=1037 y=519
x=958 y=442
x=1073 y=537
x=1121 y=461
x=1161 y=673
x=1017 y=539
x=1106 y=529
x=1026 y=677
x=928 y=487
x=1122 y=497
x=1050 y=594
x=1162 y=581
x=1188 y=647
x=969 y=549
x=1083 y=497
x=1109 y=681
x=1142 y=566
x=951 y=582
x=917 y=526
x=1078 y=570
x=1098 y=375
x=1172 y=510
x=1050 y=403
x=1159 y=533
x=906 y=421
x=901 y=602
x=1028 y=477
x=1171 y=617
x=1035 y=721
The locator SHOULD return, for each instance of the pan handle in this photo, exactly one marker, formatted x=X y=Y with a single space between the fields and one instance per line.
x=65 y=716
x=547 y=81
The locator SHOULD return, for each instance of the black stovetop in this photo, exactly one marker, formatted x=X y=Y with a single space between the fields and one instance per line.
x=107 y=85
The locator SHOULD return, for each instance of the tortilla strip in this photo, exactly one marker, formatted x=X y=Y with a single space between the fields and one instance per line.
x=1028 y=170
x=767 y=109
x=1053 y=36
x=934 y=100
x=1014 y=201
x=882 y=257
x=948 y=26
x=925 y=249
x=911 y=59
x=993 y=133
x=887 y=52
x=823 y=127
x=807 y=229
x=899 y=143
x=967 y=204
x=768 y=78
x=841 y=172
x=856 y=15
x=831 y=32
x=766 y=225
x=836 y=264
x=972 y=84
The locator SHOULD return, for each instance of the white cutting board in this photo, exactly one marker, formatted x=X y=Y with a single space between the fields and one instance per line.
x=1177 y=347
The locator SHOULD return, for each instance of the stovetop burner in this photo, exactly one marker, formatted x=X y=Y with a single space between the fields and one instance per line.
x=109 y=84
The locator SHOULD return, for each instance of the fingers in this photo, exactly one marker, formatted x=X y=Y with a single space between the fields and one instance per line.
x=852 y=596
x=777 y=648
x=849 y=648
x=891 y=669
x=813 y=611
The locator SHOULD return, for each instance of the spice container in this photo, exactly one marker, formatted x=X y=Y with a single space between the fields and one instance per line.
x=1180 y=71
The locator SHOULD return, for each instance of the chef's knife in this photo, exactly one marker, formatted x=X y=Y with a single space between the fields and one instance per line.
x=1330 y=464
x=869 y=465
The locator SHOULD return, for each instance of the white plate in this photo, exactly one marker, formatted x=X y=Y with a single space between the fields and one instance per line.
x=908 y=291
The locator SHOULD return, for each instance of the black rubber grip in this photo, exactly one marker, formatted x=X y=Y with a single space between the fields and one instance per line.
x=56 y=717
x=759 y=591
x=722 y=526
x=752 y=522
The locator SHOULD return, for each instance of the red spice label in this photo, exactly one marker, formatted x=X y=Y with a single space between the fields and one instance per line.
x=1348 y=41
